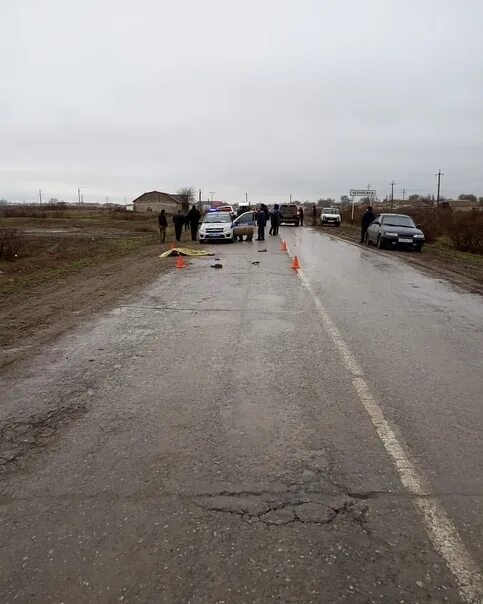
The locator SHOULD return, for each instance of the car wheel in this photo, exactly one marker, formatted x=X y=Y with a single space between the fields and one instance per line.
x=380 y=242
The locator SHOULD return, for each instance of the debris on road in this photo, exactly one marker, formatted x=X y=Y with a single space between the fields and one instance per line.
x=185 y=251
x=256 y=262
x=217 y=265
x=265 y=250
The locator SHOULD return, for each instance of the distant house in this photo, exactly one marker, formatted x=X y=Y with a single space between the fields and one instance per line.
x=155 y=201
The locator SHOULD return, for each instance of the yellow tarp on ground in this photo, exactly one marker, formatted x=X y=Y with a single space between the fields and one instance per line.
x=185 y=251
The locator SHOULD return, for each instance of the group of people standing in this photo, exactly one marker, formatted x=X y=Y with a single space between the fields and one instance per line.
x=192 y=219
x=264 y=215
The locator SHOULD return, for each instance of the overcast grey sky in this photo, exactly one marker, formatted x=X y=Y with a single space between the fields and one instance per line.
x=269 y=97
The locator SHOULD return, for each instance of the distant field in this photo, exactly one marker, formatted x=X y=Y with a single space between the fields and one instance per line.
x=52 y=246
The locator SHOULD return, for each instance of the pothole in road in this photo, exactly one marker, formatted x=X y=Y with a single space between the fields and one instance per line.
x=312 y=499
x=19 y=439
x=282 y=509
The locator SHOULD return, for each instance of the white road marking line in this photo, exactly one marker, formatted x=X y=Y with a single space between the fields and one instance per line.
x=440 y=529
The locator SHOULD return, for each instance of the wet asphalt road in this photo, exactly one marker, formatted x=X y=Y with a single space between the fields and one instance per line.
x=205 y=443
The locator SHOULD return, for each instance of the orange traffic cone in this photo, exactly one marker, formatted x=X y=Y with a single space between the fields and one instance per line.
x=180 y=263
x=284 y=247
x=295 y=263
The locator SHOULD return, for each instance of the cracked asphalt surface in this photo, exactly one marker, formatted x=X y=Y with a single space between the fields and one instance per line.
x=203 y=443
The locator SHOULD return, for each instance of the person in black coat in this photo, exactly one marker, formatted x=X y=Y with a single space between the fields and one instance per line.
x=179 y=220
x=275 y=219
x=267 y=212
x=367 y=218
x=301 y=216
x=194 y=220
x=163 y=224
x=261 y=223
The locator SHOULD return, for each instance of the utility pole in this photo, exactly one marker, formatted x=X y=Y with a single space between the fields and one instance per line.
x=439 y=175
x=246 y=198
x=392 y=195
x=40 y=196
x=290 y=197
x=212 y=193
x=78 y=194
x=404 y=194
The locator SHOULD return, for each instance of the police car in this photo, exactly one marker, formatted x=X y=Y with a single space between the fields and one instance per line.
x=217 y=225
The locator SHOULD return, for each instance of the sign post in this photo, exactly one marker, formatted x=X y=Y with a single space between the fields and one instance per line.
x=360 y=193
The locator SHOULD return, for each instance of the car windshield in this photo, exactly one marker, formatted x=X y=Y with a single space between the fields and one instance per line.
x=404 y=221
x=330 y=211
x=217 y=218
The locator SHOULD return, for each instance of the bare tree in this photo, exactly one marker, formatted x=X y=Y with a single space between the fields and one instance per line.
x=187 y=197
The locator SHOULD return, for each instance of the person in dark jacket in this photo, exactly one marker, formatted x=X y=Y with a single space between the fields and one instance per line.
x=367 y=218
x=194 y=220
x=261 y=222
x=314 y=215
x=163 y=224
x=267 y=212
x=179 y=220
x=275 y=218
x=301 y=216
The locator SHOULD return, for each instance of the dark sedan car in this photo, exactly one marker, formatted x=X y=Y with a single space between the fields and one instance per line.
x=391 y=230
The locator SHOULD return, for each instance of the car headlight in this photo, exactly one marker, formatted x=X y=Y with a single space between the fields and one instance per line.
x=227 y=229
x=418 y=235
x=390 y=234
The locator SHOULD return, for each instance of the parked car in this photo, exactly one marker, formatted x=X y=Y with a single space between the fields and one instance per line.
x=227 y=208
x=244 y=226
x=243 y=207
x=290 y=213
x=392 y=230
x=330 y=216
x=217 y=225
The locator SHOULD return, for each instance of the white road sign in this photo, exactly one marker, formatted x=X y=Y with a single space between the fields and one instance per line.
x=363 y=192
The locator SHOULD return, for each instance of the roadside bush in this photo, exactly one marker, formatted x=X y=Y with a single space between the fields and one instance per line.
x=466 y=232
x=432 y=224
x=346 y=214
x=9 y=244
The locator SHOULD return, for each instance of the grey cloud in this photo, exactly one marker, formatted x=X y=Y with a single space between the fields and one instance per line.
x=266 y=97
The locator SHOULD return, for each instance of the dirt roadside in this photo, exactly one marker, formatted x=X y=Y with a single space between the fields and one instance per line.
x=34 y=316
x=461 y=269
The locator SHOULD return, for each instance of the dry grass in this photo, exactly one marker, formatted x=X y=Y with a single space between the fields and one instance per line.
x=38 y=248
x=9 y=244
